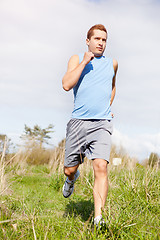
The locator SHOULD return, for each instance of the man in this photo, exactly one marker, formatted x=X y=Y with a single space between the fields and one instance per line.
x=92 y=77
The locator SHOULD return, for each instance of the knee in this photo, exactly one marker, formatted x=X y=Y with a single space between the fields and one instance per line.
x=101 y=167
x=68 y=171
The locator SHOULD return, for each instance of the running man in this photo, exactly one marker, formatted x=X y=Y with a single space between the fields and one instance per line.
x=92 y=77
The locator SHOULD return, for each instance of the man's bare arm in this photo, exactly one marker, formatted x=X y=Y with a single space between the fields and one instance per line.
x=115 y=66
x=74 y=70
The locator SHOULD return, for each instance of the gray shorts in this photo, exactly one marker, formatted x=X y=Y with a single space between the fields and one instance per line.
x=90 y=138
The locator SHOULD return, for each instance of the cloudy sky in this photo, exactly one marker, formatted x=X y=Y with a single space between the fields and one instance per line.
x=37 y=39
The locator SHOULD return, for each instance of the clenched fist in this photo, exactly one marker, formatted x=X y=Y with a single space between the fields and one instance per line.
x=88 y=56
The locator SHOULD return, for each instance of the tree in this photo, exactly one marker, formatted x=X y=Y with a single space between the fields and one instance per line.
x=3 y=139
x=37 y=134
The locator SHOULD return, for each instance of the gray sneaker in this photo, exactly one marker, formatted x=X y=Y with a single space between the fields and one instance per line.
x=68 y=187
x=99 y=222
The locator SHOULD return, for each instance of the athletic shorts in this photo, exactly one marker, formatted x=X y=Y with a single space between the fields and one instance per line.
x=90 y=138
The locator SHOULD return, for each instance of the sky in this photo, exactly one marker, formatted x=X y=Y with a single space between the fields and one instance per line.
x=37 y=38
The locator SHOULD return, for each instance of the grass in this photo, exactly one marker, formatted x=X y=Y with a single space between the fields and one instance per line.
x=34 y=207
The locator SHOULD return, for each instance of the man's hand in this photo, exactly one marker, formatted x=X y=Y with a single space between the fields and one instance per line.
x=88 y=56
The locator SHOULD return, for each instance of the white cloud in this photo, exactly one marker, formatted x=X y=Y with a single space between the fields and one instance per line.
x=37 y=39
x=139 y=146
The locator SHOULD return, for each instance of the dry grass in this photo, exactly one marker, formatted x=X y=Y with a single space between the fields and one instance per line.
x=4 y=162
x=57 y=158
x=2 y=170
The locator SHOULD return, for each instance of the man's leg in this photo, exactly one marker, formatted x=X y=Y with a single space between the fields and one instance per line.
x=70 y=171
x=100 y=189
x=72 y=175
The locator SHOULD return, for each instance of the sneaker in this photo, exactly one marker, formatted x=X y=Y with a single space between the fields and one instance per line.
x=99 y=222
x=68 y=186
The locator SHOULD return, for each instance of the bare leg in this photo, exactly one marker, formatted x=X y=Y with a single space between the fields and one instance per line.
x=100 y=189
x=70 y=171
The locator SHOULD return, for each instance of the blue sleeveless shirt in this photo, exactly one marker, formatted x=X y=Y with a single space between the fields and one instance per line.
x=92 y=93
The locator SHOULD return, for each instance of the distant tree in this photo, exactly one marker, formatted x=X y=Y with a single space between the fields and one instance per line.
x=38 y=134
x=3 y=139
x=153 y=159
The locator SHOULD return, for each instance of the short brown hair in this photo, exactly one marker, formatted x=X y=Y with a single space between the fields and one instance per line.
x=97 y=26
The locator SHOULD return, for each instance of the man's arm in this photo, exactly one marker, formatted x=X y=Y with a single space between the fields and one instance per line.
x=115 y=66
x=74 y=70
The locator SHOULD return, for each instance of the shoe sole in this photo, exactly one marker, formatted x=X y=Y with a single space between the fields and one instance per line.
x=69 y=194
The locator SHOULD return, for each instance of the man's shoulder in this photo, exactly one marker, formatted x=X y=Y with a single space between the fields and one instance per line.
x=115 y=65
x=74 y=59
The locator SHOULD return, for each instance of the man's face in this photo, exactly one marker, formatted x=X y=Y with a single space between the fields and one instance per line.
x=97 y=43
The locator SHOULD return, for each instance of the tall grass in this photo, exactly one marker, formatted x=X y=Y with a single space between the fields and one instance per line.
x=2 y=169
x=36 y=209
x=57 y=158
x=4 y=162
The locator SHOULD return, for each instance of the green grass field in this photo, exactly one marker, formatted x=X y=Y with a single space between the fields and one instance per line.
x=33 y=206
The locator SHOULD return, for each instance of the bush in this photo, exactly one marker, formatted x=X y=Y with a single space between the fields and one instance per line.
x=38 y=156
